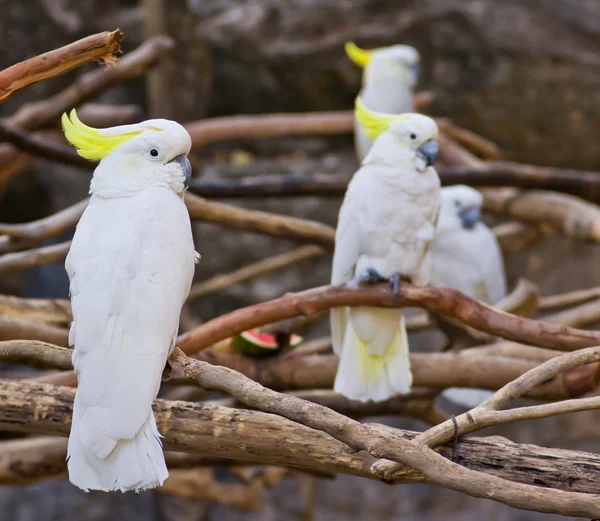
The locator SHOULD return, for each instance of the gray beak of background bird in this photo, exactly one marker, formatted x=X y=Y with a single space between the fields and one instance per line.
x=184 y=162
x=469 y=217
x=428 y=151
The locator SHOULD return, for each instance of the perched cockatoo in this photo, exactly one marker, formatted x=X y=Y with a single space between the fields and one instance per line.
x=465 y=256
x=130 y=266
x=389 y=78
x=385 y=228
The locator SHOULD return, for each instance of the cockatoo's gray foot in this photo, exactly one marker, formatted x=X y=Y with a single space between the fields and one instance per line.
x=371 y=277
x=395 y=281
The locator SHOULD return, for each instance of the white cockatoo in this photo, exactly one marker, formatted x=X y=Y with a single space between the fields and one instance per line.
x=465 y=256
x=389 y=78
x=130 y=267
x=385 y=228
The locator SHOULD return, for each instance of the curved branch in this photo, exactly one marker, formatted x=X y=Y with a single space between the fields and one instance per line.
x=381 y=443
x=443 y=301
x=22 y=260
x=269 y=439
x=49 y=311
x=97 y=47
x=256 y=269
x=33 y=144
x=301 y=230
x=91 y=84
x=573 y=216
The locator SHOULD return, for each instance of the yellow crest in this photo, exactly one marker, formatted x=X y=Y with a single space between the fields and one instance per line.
x=91 y=143
x=359 y=56
x=372 y=123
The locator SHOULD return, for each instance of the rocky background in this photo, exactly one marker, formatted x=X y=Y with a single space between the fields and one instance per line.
x=524 y=74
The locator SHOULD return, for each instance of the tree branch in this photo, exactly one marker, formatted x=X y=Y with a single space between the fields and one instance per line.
x=97 y=47
x=256 y=269
x=271 y=440
x=380 y=443
x=442 y=301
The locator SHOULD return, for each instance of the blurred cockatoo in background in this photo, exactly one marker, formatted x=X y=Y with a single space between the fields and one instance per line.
x=389 y=78
x=465 y=256
x=130 y=267
x=385 y=229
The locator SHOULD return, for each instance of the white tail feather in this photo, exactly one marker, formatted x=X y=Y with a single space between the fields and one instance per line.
x=466 y=397
x=363 y=377
x=133 y=464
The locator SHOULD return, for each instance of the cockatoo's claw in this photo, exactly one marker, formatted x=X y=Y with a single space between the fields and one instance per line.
x=371 y=277
x=395 y=285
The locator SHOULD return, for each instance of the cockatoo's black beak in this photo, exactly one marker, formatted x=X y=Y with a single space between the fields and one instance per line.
x=184 y=162
x=428 y=152
x=469 y=217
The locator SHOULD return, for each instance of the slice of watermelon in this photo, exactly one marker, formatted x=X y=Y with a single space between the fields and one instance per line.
x=257 y=344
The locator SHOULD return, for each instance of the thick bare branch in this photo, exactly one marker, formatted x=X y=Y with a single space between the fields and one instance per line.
x=256 y=436
x=262 y=267
x=292 y=228
x=34 y=144
x=380 y=443
x=89 y=85
x=97 y=47
x=442 y=301
x=22 y=260
x=49 y=311
x=572 y=215
x=571 y=298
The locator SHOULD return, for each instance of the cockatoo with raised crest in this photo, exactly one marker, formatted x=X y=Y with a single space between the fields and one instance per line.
x=385 y=229
x=389 y=78
x=465 y=256
x=130 y=267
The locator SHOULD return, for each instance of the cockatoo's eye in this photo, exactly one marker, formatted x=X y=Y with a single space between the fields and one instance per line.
x=155 y=154
x=413 y=136
x=457 y=203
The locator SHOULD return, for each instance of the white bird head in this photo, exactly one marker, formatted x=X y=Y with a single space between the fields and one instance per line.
x=404 y=135
x=397 y=63
x=133 y=157
x=460 y=208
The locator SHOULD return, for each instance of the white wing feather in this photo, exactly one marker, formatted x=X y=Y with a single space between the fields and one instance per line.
x=131 y=265
x=347 y=243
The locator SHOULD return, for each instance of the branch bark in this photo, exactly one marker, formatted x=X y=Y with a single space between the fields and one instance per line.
x=442 y=301
x=380 y=443
x=269 y=439
x=97 y=47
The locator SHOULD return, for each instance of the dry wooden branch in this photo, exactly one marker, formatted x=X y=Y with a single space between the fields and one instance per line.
x=270 y=125
x=573 y=216
x=23 y=260
x=488 y=413
x=382 y=444
x=277 y=262
x=292 y=228
x=48 y=227
x=571 y=298
x=98 y=47
x=33 y=144
x=30 y=460
x=256 y=436
x=503 y=173
x=431 y=370
x=11 y=329
x=514 y=236
x=91 y=84
x=276 y=125
x=49 y=311
x=442 y=301
x=36 y=354
x=578 y=316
